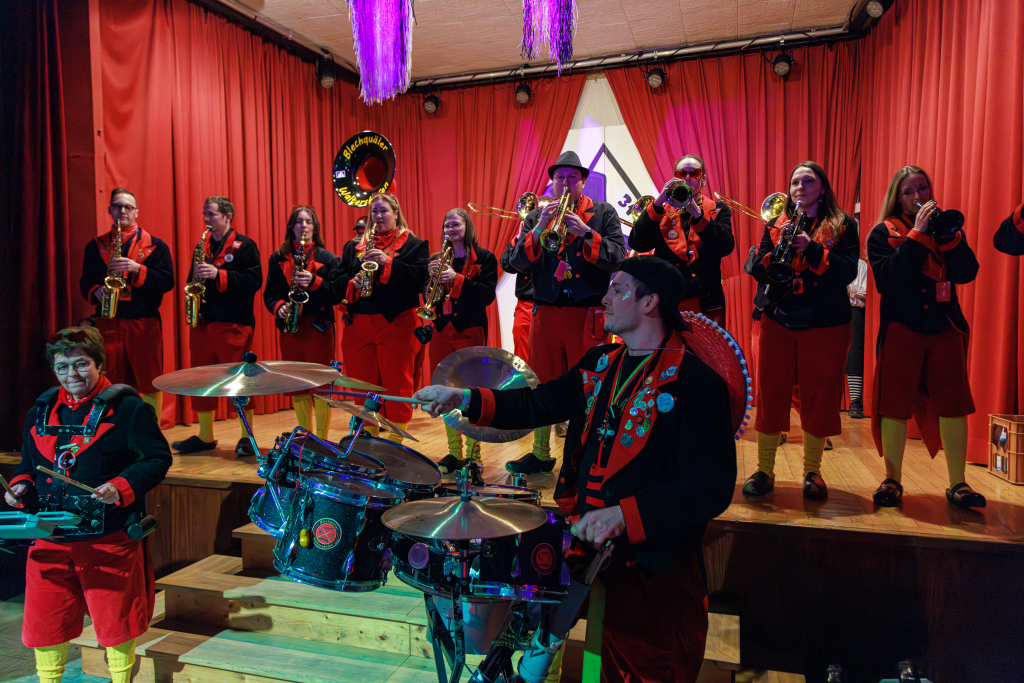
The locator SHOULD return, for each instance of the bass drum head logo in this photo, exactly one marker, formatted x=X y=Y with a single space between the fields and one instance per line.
x=543 y=559
x=326 y=534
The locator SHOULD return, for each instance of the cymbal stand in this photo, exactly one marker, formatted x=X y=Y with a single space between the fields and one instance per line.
x=374 y=403
x=275 y=494
x=241 y=401
x=450 y=645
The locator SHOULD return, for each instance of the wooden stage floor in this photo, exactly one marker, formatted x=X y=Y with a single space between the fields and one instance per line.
x=852 y=471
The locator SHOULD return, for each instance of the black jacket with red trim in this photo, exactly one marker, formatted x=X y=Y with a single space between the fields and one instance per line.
x=146 y=288
x=321 y=301
x=908 y=295
x=824 y=269
x=397 y=285
x=702 y=275
x=683 y=476
x=230 y=297
x=128 y=450
x=1009 y=238
x=592 y=259
x=471 y=293
x=524 y=281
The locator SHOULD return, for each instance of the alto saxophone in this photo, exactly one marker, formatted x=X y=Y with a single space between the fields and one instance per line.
x=369 y=267
x=435 y=290
x=195 y=290
x=297 y=298
x=113 y=283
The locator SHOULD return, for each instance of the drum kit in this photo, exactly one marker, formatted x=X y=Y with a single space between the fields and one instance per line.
x=489 y=560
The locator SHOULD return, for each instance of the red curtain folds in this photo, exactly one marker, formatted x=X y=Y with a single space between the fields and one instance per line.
x=751 y=128
x=195 y=106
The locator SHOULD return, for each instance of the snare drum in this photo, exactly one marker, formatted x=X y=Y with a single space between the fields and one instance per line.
x=404 y=468
x=523 y=495
x=333 y=537
x=318 y=454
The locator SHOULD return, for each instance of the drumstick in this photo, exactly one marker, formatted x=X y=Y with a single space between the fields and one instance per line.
x=67 y=479
x=7 y=487
x=397 y=399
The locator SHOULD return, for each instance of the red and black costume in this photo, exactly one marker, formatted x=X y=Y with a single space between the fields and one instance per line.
x=667 y=457
x=921 y=355
x=314 y=342
x=568 y=286
x=133 y=339
x=694 y=245
x=224 y=333
x=113 y=437
x=1009 y=238
x=806 y=328
x=524 y=306
x=379 y=345
x=462 y=320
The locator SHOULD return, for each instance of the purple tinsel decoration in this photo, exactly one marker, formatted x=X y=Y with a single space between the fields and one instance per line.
x=552 y=22
x=382 y=36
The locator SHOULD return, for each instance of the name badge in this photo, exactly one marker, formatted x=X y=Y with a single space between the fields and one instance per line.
x=446 y=308
x=942 y=291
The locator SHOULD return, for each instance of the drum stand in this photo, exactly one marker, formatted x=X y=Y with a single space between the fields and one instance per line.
x=449 y=648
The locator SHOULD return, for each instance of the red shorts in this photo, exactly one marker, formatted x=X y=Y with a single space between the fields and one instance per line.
x=384 y=354
x=814 y=361
x=111 y=578
x=521 y=330
x=447 y=341
x=560 y=335
x=211 y=343
x=911 y=364
x=135 y=351
x=307 y=346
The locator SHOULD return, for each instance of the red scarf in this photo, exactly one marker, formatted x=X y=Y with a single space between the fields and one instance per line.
x=289 y=261
x=389 y=242
x=686 y=242
x=65 y=398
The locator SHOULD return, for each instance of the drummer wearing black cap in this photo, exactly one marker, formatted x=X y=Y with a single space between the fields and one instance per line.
x=649 y=460
x=358 y=229
x=568 y=285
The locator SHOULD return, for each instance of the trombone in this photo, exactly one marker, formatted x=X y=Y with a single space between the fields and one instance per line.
x=527 y=202
x=771 y=208
x=680 y=194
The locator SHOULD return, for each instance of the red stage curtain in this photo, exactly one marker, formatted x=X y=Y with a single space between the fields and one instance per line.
x=196 y=106
x=751 y=128
x=942 y=86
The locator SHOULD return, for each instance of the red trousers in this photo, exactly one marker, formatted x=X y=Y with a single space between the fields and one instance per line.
x=111 y=578
x=384 y=354
x=912 y=364
x=814 y=361
x=135 y=351
x=560 y=335
x=755 y=341
x=307 y=346
x=655 y=629
x=447 y=341
x=211 y=343
x=521 y=330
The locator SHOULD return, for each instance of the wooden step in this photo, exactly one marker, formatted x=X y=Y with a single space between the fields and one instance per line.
x=257 y=547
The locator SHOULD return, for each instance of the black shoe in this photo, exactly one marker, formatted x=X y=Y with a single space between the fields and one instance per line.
x=814 y=487
x=450 y=463
x=530 y=464
x=193 y=444
x=782 y=438
x=243 y=449
x=758 y=484
x=828 y=444
x=888 y=493
x=964 y=496
x=561 y=429
x=857 y=409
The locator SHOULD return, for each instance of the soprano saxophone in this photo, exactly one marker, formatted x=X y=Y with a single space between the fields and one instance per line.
x=195 y=290
x=369 y=267
x=297 y=298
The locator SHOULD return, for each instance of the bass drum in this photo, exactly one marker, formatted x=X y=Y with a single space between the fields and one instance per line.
x=404 y=468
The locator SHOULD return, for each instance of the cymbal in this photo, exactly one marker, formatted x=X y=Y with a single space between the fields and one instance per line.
x=370 y=416
x=488 y=367
x=353 y=383
x=257 y=378
x=458 y=520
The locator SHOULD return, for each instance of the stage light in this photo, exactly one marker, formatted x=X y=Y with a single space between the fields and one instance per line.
x=655 y=77
x=523 y=93
x=431 y=103
x=875 y=9
x=782 y=64
x=324 y=75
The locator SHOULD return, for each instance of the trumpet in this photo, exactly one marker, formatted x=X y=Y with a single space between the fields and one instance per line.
x=771 y=208
x=944 y=224
x=526 y=203
x=780 y=265
x=435 y=290
x=297 y=298
x=553 y=236
x=369 y=267
x=195 y=290
x=113 y=283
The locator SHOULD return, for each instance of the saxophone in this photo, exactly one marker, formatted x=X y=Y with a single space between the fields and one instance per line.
x=196 y=289
x=435 y=290
x=297 y=297
x=113 y=283
x=369 y=267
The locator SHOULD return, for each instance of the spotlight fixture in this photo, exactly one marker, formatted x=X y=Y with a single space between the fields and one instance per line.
x=324 y=75
x=782 y=64
x=431 y=103
x=523 y=93
x=655 y=77
x=875 y=9
x=867 y=15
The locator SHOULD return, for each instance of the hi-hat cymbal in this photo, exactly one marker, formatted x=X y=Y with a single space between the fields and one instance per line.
x=458 y=520
x=353 y=383
x=370 y=416
x=256 y=378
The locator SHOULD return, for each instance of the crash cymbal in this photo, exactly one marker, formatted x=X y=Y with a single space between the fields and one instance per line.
x=255 y=378
x=490 y=368
x=458 y=520
x=369 y=416
x=353 y=383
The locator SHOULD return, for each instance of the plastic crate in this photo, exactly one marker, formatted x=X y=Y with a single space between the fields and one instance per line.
x=1006 y=447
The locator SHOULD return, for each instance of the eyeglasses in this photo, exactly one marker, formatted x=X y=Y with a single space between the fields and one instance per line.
x=80 y=367
x=123 y=207
x=695 y=173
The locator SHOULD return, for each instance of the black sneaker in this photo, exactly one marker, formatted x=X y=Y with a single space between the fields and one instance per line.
x=758 y=484
x=530 y=464
x=857 y=409
x=193 y=444
x=450 y=463
x=243 y=449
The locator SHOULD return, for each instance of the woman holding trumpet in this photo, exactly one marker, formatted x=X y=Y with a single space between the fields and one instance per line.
x=693 y=235
x=807 y=257
x=380 y=280
x=303 y=307
x=468 y=277
x=919 y=255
